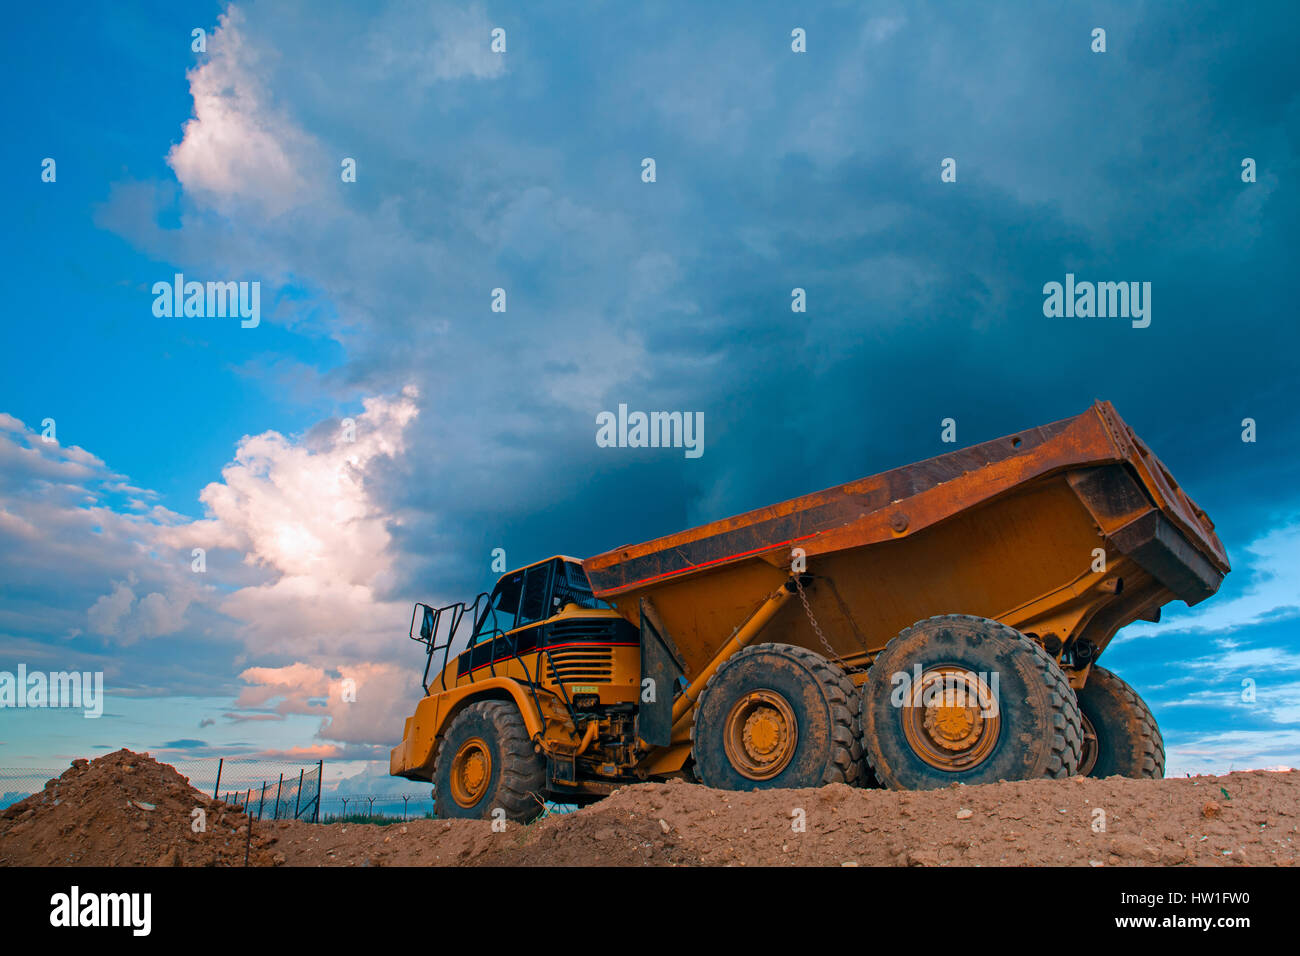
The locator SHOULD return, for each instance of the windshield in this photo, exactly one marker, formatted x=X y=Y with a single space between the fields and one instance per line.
x=499 y=612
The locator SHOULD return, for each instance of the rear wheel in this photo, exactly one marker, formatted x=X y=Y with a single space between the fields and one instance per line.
x=962 y=699
x=486 y=762
x=775 y=715
x=1121 y=737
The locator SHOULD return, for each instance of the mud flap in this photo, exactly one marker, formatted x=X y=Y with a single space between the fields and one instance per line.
x=660 y=667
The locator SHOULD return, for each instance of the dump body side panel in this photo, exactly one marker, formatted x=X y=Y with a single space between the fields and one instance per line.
x=1007 y=530
x=903 y=501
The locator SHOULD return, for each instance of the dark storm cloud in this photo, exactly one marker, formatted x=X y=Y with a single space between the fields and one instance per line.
x=925 y=298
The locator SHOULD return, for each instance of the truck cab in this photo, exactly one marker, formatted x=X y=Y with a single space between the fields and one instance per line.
x=542 y=624
x=540 y=665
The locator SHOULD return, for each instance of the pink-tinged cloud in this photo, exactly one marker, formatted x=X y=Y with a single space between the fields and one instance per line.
x=366 y=702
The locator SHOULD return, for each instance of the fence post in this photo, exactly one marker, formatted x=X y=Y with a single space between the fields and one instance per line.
x=217 y=786
x=320 y=787
x=297 y=800
x=261 y=802
x=277 y=796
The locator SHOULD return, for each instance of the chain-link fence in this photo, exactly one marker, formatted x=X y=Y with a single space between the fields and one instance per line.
x=19 y=782
x=272 y=790
x=288 y=797
x=389 y=807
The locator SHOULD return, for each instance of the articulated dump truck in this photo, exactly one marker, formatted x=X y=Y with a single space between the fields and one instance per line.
x=933 y=624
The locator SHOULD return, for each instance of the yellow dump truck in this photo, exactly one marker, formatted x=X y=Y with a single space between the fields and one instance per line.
x=933 y=624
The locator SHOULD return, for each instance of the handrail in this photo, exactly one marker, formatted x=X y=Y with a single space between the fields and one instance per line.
x=429 y=635
x=458 y=610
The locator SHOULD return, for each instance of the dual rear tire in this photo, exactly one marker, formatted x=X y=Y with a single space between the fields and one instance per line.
x=951 y=699
x=777 y=716
x=1120 y=735
x=962 y=699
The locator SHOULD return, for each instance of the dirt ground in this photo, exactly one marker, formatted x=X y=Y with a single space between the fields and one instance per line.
x=126 y=809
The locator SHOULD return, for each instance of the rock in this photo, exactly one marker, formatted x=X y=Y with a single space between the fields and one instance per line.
x=1210 y=810
x=964 y=814
x=1128 y=845
x=171 y=858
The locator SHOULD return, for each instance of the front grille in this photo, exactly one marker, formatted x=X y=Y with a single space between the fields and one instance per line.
x=593 y=665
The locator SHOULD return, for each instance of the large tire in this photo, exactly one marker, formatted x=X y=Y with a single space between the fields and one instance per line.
x=486 y=762
x=1120 y=734
x=775 y=715
x=1009 y=713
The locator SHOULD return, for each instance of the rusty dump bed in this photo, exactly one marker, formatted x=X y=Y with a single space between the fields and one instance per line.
x=1007 y=529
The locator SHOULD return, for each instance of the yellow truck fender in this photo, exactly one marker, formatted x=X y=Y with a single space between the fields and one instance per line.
x=414 y=757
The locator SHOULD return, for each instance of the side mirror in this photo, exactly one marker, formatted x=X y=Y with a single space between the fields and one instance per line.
x=426 y=626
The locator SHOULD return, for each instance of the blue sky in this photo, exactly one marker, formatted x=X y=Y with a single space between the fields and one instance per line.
x=522 y=171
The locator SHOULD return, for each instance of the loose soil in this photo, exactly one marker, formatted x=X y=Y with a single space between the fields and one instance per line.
x=126 y=809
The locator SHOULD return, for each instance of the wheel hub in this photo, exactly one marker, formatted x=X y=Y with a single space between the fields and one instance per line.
x=471 y=769
x=951 y=721
x=760 y=734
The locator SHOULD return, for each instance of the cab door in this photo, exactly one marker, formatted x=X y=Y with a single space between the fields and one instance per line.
x=510 y=627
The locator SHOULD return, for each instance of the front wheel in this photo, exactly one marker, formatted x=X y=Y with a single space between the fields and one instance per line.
x=486 y=763
x=962 y=699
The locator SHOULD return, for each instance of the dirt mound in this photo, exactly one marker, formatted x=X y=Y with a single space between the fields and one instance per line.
x=95 y=814
x=1239 y=819
x=125 y=809
x=1242 y=818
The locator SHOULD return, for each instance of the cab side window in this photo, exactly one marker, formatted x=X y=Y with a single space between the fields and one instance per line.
x=502 y=607
x=532 y=607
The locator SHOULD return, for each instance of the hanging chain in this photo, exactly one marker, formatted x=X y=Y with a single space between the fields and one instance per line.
x=830 y=651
